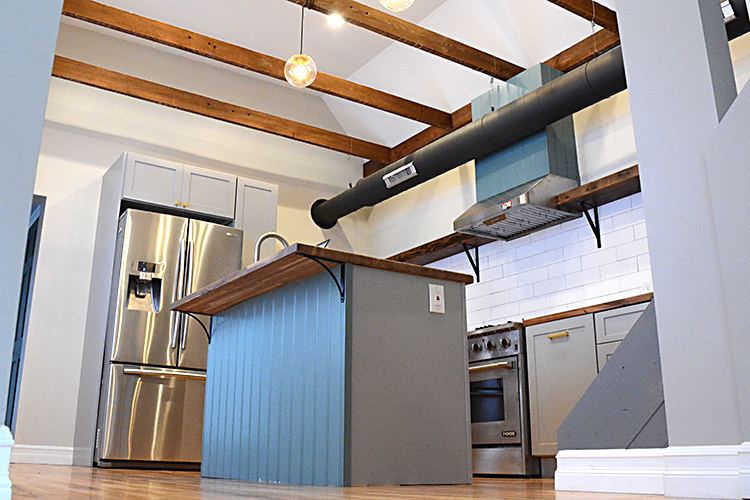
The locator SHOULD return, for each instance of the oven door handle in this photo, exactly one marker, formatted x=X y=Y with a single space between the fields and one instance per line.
x=502 y=364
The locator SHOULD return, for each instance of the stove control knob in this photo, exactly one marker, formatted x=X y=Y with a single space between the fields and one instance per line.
x=490 y=345
x=505 y=343
x=476 y=347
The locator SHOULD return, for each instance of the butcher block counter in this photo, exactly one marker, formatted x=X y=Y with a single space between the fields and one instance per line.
x=329 y=368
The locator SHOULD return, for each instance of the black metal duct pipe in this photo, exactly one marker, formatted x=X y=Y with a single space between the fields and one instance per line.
x=598 y=79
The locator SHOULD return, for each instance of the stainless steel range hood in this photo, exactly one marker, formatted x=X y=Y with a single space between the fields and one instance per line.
x=518 y=211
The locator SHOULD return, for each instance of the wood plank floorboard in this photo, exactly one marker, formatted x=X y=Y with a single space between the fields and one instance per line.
x=57 y=482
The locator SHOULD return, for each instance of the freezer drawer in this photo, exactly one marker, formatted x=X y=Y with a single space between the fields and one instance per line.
x=153 y=414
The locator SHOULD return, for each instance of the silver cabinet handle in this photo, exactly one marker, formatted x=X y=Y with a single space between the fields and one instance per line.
x=176 y=316
x=146 y=372
x=503 y=364
x=188 y=290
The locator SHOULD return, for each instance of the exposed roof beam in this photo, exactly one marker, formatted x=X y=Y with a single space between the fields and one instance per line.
x=584 y=51
x=603 y=16
x=565 y=61
x=87 y=74
x=172 y=36
x=402 y=31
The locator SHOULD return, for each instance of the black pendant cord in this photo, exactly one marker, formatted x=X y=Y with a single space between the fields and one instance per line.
x=208 y=335
x=302 y=28
x=339 y=284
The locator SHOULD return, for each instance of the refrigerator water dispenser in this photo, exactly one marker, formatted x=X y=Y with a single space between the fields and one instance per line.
x=144 y=285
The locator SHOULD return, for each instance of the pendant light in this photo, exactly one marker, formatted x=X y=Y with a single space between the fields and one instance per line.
x=300 y=70
x=396 y=5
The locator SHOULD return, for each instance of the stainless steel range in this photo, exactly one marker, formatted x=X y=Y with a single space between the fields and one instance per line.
x=499 y=401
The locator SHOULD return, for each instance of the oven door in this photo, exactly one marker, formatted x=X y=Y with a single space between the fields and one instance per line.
x=495 y=404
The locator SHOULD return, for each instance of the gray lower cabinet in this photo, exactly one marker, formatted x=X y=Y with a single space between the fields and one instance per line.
x=605 y=351
x=611 y=327
x=562 y=364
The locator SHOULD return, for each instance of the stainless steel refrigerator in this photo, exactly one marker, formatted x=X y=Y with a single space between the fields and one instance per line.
x=153 y=380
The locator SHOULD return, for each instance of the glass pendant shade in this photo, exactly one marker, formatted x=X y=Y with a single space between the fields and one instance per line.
x=300 y=70
x=396 y=5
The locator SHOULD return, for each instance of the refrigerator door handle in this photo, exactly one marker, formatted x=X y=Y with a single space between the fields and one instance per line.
x=188 y=290
x=179 y=292
x=146 y=372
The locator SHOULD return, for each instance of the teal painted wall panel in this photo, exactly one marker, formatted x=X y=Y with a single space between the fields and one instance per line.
x=551 y=151
x=287 y=411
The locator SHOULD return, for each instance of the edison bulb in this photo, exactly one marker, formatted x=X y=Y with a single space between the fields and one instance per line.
x=300 y=70
x=396 y=5
x=335 y=20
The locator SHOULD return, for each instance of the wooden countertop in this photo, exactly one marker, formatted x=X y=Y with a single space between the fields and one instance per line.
x=288 y=266
x=638 y=299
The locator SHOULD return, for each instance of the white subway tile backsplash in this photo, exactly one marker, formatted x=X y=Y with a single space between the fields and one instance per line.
x=602 y=257
x=533 y=276
x=640 y=279
x=549 y=286
x=503 y=284
x=475 y=290
x=475 y=319
x=632 y=249
x=518 y=266
x=500 y=258
x=601 y=288
x=644 y=262
x=574 y=280
x=614 y=208
x=547 y=258
x=619 y=268
x=565 y=267
x=510 y=311
x=639 y=230
x=533 y=248
x=520 y=294
x=534 y=305
x=566 y=297
x=562 y=240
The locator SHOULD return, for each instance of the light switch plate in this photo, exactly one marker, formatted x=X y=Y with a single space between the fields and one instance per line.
x=437 y=299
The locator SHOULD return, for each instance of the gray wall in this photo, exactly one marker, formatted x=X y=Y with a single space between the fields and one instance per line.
x=681 y=83
x=28 y=31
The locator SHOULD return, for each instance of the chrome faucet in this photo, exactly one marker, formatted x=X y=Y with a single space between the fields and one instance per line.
x=263 y=238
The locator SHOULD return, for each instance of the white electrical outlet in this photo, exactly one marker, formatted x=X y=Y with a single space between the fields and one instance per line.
x=437 y=299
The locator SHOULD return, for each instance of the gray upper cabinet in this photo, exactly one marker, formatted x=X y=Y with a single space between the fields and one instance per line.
x=614 y=324
x=562 y=365
x=171 y=184
x=152 y=180
x=208 y=191
x=256 y=214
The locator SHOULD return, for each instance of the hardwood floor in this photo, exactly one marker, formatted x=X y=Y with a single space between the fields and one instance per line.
x=55 y=482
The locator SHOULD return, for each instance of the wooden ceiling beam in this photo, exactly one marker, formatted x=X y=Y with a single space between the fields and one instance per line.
x=411 y=34
x=602 y=16
x=195 y=43
x=93 y=76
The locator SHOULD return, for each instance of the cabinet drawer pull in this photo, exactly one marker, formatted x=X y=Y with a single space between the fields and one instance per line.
x=558 y=335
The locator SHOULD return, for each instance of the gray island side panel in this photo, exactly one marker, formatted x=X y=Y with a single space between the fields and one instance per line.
x=275 y=387
x=408 y=393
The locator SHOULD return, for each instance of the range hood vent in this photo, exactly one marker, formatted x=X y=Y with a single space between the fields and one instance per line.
x=518 y=211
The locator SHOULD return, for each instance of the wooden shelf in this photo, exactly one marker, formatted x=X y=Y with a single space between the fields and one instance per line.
x=638 y=299
x=594 y=194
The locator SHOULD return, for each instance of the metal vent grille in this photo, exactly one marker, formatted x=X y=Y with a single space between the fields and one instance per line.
x=521 y=221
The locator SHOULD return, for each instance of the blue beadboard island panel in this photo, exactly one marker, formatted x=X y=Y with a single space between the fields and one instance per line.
x=275 y=392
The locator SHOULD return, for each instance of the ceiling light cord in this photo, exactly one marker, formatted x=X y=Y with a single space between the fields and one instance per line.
x=593 y=26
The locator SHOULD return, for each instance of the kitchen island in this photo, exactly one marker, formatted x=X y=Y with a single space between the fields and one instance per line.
x=329 y=368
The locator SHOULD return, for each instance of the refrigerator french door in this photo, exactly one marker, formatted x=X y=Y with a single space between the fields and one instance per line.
x=153 y=383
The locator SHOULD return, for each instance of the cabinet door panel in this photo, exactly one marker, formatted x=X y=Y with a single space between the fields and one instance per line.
x=152 y=180
x=616 y=323
x=605 y=351
x=208 y=191
x=256 y=214
x=562 y=365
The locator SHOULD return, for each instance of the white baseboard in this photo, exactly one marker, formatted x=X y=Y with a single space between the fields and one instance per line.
x=52 y=455
x=6 y=442
x=677 y=471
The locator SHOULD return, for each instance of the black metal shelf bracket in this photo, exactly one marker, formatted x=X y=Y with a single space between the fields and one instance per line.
x=473 y=261
x=339 y=283
x=595 y=227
